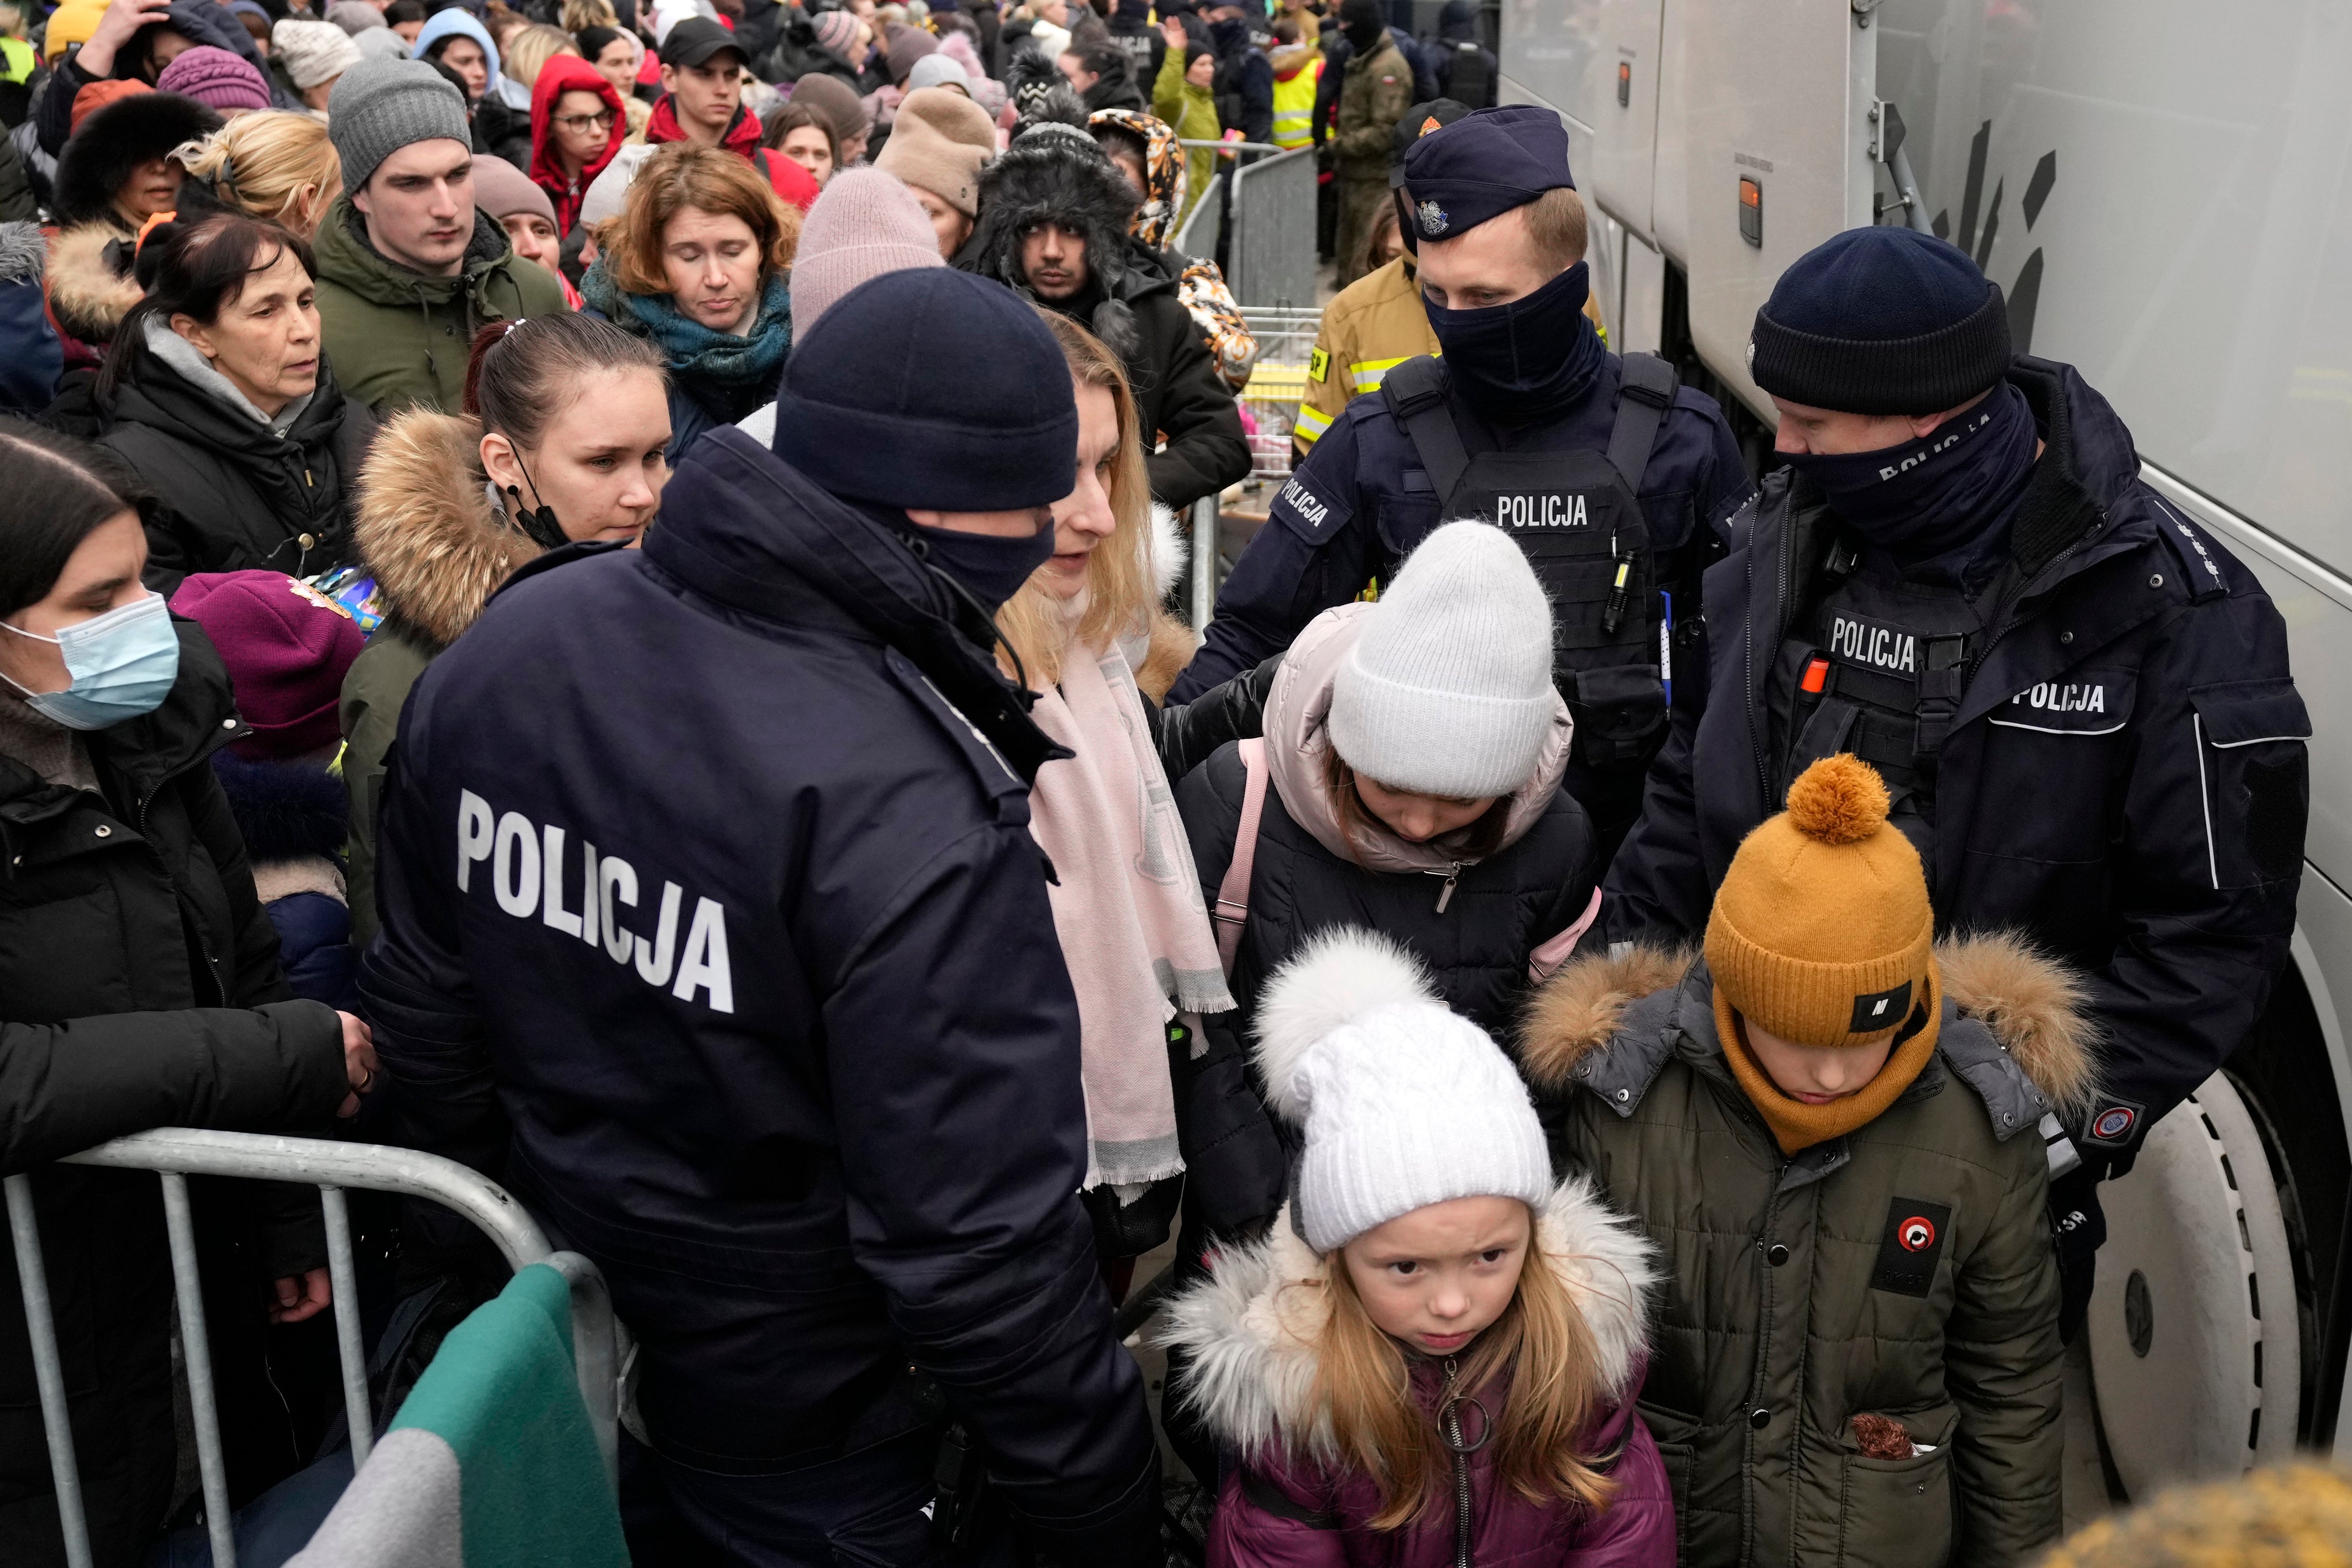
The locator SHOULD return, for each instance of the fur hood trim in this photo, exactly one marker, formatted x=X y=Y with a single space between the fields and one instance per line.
x=87 y=295
x=116 y=140
x=1054 y=172
x=1170 y=549
x=23 y=252
x=2032 y=1004
x=429 y=534
x=1253 y=1326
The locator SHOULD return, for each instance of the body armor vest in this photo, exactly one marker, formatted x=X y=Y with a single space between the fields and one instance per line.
x=1878 y=669
x=1575 y=513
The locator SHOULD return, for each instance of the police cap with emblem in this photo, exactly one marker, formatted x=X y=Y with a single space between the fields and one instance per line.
x=1482 y=165
x=1881 y=321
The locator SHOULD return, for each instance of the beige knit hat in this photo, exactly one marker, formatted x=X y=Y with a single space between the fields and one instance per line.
x=937 y=143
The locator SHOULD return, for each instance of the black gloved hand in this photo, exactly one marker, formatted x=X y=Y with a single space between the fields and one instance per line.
x=2079 y=1227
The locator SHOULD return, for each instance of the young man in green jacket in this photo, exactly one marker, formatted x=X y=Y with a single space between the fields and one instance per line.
x=408 y=268
x=1828 y=1123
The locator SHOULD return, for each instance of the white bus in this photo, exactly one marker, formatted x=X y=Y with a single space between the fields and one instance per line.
x=2160 y=187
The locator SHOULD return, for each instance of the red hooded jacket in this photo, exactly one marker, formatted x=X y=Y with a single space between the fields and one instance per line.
x=559 y=75
x=793 y=182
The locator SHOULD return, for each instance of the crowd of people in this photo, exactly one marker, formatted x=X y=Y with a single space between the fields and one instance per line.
x=586 y=592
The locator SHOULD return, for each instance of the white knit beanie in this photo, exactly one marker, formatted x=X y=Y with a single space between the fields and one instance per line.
x=1448 y=689
x=312 y=52
x=1405 y=1102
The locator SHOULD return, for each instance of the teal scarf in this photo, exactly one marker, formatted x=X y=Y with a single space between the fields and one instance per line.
x=719 y=370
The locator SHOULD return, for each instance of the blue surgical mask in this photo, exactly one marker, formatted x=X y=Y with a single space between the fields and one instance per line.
x=123 y=663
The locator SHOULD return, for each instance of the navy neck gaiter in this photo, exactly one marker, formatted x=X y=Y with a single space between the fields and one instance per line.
x=1939 y=507
x=1525 y=363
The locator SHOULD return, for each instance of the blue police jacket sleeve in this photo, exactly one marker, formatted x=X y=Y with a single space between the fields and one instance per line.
x=1657 y=885
x=1314 y=552
x=1726 y=487
x=417 y=989
x=952 y=1040
x=2211 y=858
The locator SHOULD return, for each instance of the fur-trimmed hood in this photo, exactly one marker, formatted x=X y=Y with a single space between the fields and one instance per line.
x=1057 y=173
x=116 y=140
x=87 y=295
x=1164 y=170
x=426 y=530
x=1252 y=1328
x=2034 y=1006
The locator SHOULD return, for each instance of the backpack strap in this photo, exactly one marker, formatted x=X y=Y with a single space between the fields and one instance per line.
x=1232 y=912
x=1644 y=392
x=1416 y=395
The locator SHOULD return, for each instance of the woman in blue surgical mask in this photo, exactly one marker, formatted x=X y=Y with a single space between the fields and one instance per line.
x=142 y=985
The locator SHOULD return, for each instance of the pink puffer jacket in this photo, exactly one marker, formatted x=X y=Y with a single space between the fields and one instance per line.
x=1252 y=1336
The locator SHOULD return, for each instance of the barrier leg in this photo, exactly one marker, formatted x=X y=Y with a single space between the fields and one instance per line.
x=344 y=1276
x=593 y=1357
x=48 y=1371
x=1204 y=562
x=188 y=1285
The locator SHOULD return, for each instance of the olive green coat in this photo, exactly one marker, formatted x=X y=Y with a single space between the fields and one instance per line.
x=1785 y=1311
x=399 y=339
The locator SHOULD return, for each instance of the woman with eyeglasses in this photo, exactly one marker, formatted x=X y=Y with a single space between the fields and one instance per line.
x=575 y=117
x=696 y=262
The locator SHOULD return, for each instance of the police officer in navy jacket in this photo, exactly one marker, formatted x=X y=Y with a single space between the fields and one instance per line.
x=1609 y=475
x=713 y=927
x=2078 y=698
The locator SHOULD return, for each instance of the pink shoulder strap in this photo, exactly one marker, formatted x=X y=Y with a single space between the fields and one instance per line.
x=1232 y=912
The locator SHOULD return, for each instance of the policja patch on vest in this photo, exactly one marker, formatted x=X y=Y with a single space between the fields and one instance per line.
x=1914 y=1242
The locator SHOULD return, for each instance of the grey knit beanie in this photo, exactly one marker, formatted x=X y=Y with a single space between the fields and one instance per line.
x=381 y=106
x=312 y=52
x=1448 y=689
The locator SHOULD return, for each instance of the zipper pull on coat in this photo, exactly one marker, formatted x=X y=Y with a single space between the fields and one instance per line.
x=1446 y=897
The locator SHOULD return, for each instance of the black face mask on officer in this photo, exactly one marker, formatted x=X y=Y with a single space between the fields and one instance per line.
x=1526 y=362
x=1943 y=499
x=992 y=567
x=1363 y=25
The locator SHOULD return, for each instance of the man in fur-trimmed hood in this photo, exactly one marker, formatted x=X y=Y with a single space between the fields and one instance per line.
x=1053 y=213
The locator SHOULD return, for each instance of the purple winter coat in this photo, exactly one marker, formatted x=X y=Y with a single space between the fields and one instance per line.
x=1251 y=1331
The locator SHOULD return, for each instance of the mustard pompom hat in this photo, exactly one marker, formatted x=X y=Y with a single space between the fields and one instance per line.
x=1821 y=932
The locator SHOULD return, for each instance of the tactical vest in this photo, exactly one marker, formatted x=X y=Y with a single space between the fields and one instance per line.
x=1878 y=669
x=1469 y=82
x=1575 y=513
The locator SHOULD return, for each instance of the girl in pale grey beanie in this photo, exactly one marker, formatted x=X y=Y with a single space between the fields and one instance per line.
x=1408 y=781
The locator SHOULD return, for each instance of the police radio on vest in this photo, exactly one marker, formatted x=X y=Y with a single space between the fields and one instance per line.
x=1546 y=509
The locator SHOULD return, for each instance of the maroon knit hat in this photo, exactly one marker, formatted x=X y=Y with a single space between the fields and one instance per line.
x=288 y=648
x=228 y=83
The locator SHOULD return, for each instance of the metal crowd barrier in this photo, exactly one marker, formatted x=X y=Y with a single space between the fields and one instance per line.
x=177 y=1152
x=1198 y=238
x=1278 y=386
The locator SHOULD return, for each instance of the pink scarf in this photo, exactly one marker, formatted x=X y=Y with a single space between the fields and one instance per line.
x=1134 y=930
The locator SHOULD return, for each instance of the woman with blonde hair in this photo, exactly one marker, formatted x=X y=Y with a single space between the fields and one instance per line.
x=276 y=164
x=696 y=262
x=530 y=47
x=1134 y=931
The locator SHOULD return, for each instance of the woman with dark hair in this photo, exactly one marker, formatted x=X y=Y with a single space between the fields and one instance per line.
x=218 y=390
x=695 y=262
x=806 y=137
x=143 y=981
x=566 y=420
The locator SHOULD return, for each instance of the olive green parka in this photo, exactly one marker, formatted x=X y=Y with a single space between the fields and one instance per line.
x=1905 y=1270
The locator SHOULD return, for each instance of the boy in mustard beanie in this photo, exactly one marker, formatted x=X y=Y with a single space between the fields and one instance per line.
x=1827 y=1121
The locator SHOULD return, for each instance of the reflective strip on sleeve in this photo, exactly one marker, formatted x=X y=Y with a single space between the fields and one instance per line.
x=1367 y=374
x=1312 y=422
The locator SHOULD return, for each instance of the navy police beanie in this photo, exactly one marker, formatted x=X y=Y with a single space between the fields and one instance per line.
x=1481 y=165
x=930 y=388
x=1881 y=321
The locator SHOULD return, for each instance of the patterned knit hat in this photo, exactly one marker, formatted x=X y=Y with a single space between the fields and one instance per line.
x=1822 y=931
x=212 y=76
x=1403 y=1102
x=837 y=31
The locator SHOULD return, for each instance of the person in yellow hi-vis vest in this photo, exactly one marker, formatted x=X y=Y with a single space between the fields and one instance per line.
x=1298 y=68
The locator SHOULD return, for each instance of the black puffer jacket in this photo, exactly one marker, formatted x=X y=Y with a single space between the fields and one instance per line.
x=142 y=989
x=1477 y=946
x=234 y=495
